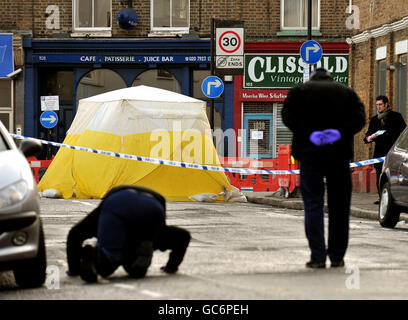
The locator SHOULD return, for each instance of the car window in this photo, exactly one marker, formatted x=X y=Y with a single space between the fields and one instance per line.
x=402 y=142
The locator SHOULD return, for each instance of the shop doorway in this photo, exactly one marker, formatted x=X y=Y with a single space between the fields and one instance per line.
x=258 y=135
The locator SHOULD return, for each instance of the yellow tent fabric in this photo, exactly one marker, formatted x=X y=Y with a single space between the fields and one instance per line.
x=142 y=121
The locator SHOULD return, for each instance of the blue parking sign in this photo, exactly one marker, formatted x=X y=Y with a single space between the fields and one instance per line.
x=212 y=87
x=311 y=52
x=6 y=55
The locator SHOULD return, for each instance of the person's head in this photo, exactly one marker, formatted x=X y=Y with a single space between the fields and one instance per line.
x=382 y=103
x=321 y=74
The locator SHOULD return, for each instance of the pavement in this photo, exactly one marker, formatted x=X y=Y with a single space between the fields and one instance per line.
x=362 y=204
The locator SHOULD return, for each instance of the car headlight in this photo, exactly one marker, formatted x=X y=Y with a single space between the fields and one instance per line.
x=13 y=194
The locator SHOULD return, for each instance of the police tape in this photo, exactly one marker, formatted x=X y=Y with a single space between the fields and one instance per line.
x=186 y=164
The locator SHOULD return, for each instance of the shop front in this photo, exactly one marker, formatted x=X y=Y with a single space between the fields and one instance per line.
x=271 y=69
x=74 y=69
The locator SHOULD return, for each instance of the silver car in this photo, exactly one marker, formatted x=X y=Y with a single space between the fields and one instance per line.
x=394 y=183
x=22 y=247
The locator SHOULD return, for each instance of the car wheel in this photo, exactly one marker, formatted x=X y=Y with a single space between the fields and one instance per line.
x=32 y=273
x=388 y=212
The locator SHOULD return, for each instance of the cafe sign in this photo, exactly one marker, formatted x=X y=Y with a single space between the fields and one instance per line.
x=269 y=71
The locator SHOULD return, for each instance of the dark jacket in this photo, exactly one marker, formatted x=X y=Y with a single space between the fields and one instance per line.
x=170 y=238
x=321 y=104
x=393 y=124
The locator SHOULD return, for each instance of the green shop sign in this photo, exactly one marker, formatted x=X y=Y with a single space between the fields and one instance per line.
x=286 y=70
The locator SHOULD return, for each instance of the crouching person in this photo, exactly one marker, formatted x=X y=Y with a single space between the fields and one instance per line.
x=129 y=224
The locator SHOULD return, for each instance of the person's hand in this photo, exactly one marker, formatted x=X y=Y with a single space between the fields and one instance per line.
x=168 y=270
x=325 y=137
x=370 y=139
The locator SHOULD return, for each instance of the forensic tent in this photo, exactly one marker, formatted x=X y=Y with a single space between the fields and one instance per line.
x=141 y=121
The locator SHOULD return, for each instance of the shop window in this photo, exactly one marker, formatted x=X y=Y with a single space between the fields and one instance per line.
x=99 y=81
x=401 y=86
x=6 y=106
x=170 y=16
x=294 y=14
x=92 y=15
x=158 y=78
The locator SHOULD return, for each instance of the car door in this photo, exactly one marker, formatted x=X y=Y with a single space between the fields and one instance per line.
x=398 y=166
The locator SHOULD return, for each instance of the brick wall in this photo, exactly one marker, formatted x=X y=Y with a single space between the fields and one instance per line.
x=261 y=17
x=374 y=13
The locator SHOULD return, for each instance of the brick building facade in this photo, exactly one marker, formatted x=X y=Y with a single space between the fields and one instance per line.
x=378 y=59
x=57 y=45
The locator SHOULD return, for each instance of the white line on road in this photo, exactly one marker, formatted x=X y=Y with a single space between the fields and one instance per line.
x=62 y=215
x=85 y=203
x=124 y=286
x=152 y=293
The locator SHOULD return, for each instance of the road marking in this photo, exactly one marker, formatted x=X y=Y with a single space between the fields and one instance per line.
x=61 y=215
x=83 y=202
x=152 y=293
x=124 y=286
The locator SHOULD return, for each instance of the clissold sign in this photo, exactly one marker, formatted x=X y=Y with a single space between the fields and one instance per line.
x=286 y=70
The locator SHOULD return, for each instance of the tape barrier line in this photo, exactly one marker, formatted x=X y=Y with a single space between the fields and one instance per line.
x=186 y=164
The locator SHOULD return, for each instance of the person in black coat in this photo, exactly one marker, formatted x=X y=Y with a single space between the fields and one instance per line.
x=129 y=224
x=324 y=116
x=384 y=129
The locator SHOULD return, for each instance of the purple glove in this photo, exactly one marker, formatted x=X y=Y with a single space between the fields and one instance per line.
x=322 y=138
x=332 y=135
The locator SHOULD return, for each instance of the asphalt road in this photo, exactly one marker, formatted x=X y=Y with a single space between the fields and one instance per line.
x=238 y=251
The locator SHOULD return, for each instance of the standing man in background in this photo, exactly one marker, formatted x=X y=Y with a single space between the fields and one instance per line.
x=384 y=129
x=324 y=116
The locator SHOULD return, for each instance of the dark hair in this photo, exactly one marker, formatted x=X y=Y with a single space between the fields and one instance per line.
x=383 y=98
x=321 y=74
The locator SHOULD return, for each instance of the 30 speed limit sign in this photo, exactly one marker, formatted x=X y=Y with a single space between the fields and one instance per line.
x=229 y=41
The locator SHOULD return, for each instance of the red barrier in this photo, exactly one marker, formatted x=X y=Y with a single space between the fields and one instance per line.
x=264 y=182
x=38 y=167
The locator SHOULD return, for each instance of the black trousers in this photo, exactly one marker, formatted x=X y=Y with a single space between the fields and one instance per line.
x=378 y=169
x=339 y=187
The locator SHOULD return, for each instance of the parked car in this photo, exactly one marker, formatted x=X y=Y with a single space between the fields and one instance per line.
x=22 y=247
x=394 y=183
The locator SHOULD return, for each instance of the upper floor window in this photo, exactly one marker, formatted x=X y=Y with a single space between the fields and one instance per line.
x=92 y=15
x=294 y=14
x=170 y=15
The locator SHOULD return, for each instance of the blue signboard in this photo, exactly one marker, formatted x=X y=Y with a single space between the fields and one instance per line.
x=78 y=58
x=48 y=119
x=311 y=52
x=212 y=87
x=6 y=55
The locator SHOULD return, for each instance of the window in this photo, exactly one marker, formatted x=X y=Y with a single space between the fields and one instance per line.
x=91 y=15
x=380 y=80
x=170 y=15
x=401 y=86
x=294 y=14
x=6 y=103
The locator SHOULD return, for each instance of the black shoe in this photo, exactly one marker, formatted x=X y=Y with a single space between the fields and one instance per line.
x=144 y=255
x=377 y=202
x=316 y=264
x=337 y=264
x=87 y=269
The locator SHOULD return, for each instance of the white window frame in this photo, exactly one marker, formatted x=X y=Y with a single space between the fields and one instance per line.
x=9 y=110
x=89 y=29
x=172 y=30
x=298 y=28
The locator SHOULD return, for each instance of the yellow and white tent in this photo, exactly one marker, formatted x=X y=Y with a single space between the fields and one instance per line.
x=141 y=121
